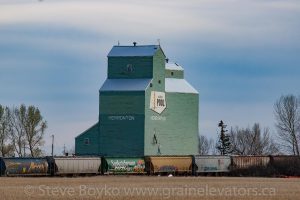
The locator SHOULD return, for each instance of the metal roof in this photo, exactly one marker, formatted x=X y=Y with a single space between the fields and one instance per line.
x=173 y=66
x=141 y=50
x=125 y=84
x=179 y=86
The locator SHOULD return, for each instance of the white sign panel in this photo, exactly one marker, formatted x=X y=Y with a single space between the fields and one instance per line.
x=158 y=101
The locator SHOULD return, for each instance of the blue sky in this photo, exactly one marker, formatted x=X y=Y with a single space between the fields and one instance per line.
x=240 y=55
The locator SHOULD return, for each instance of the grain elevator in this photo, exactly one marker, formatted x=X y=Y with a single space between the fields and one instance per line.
x=146 y=107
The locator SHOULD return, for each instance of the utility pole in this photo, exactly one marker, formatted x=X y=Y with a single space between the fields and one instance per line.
x=52 y=147
x=24 y=150
x=64 y=149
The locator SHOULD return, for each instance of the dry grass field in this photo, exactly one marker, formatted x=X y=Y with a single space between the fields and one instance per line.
x=144 y=187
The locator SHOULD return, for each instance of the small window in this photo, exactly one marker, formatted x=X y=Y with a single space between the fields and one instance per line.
x=172 y=73
x=129 y=68
x=86 y=141
x=159 y=81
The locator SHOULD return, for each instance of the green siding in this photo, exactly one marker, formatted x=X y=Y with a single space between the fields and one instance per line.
x=159 y=61
x=127 y=124
x=122 y=102
x=88 y=149
x=174 y=73
x=122 y=137
x=141 y=67
x=177 y=129
x=122 y=123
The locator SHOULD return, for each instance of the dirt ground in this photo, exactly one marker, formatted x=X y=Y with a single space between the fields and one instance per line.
x=144 y=187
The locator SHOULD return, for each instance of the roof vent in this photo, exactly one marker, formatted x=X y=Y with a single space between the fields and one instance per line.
x=134 y=44
x=167 y=60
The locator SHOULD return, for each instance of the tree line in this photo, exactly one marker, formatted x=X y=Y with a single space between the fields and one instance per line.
x=258 y=141
x=21 y=131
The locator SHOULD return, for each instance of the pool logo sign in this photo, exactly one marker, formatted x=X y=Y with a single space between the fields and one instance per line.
x=158 y=101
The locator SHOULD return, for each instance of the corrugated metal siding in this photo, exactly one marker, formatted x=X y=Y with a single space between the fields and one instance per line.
x=179 y=164
x=286 y=165
x=77 y=165
x=244 y=162
x=212 y=163
x=285 y=159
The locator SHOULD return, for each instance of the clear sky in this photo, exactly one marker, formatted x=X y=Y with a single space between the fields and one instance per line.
x=241 y=55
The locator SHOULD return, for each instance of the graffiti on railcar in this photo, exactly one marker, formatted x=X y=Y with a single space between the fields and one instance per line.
x=168 y=168
x=212 y=163
x=18 y=166
x=126 y=165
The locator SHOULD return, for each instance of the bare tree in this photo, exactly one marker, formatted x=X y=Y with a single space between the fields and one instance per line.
x=34 y=127
x=6 y=149
x=205 y=145
x=252 y=141
x=3 y=129
x=238 y=141
x=287 y=114
x=17 y=131
x=262 y=142
x=23 y=128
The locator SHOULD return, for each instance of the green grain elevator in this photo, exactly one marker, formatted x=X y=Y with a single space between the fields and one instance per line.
x=146 y=107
